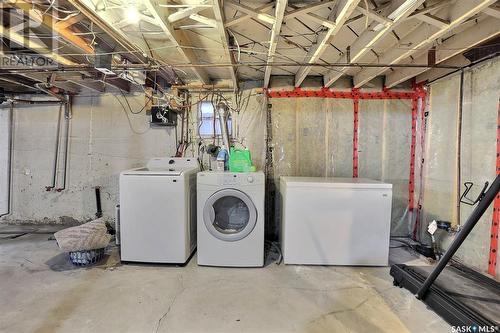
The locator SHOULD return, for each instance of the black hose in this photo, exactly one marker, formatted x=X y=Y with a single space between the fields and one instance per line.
x=98 y=213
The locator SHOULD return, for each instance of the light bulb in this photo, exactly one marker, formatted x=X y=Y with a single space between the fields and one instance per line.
x=133 y=15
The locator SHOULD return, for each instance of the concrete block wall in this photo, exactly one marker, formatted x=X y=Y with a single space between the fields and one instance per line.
x=104 y=140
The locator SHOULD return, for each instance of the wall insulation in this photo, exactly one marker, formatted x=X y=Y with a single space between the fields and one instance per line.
x=478 y=154
x=314 y=137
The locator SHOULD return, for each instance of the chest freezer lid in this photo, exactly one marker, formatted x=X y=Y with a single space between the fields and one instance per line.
x=334 y=182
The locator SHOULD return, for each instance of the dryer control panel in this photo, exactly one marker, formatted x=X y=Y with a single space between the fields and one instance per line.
x=231 y=178
x=250 y=178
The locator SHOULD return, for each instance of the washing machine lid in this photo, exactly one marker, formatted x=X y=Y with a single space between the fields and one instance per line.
x=181 y=163
x=165 y=166
x=154 y=172
x=229 y=215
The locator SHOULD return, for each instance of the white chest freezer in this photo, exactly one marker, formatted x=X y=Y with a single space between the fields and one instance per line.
x=335 y=221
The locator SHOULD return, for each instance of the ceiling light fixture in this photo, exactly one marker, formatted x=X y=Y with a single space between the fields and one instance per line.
x=132 y=14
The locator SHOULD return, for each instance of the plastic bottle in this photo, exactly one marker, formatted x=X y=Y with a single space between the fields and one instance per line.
x=222 y=159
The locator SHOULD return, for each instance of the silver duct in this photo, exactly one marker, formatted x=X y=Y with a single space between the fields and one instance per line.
x=223 y=111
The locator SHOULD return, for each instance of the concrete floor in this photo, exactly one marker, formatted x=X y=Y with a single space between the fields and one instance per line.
x=40 y=291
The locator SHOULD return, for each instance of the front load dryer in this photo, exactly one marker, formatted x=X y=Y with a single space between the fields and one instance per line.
x=158 y=211
x=231 y=219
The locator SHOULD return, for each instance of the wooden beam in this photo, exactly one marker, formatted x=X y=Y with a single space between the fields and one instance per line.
x=97 y=86
x=320 y=20
x=224 y=38
x=43 y=78
x=118 y=83
x=183 y=14
x=492 y=11
x=374 y=15
x=421 y=40
x=434 y=7
x=266 y=18
x=69 y=22
x=398 y=12
x=187 y=5
x=273 y=42
x=434 y=20
x=107 y=28
x=93 y=80
x=17 y=81
x=59 y=27
x=177 y=37
x=33 y=45
x=307 y=9
x=434 y=73
x=339 y=15
x=203 y=19
x=459 y=43
x=261 y=10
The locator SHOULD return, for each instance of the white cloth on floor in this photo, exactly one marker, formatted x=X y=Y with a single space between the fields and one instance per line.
x=88 y=236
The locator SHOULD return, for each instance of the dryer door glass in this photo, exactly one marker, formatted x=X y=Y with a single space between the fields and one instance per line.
x=229 y=215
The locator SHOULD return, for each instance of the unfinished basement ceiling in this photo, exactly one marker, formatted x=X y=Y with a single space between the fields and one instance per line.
x=229 y=41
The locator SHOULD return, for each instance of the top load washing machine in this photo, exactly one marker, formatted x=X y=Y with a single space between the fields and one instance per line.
x=158 y=211
x=231 y=219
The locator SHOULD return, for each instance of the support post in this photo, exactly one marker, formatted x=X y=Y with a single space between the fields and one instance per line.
x=411 y=179
x=492 y=262
x=355 y=139
x=423 y=126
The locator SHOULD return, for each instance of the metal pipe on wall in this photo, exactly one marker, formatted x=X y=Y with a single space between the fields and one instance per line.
x=67 y=116
x=30 y=102
x=56 y=153
x=9 y=160
x=223 y=111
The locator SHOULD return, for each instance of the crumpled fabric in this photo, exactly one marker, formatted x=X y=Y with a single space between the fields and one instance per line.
x=89 y=236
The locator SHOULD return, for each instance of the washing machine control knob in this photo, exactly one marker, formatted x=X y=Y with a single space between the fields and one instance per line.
x=250 y=179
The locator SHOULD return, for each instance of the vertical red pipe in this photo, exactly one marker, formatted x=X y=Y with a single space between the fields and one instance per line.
x=355 y=138
x=492 y=262
x=411 y=180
